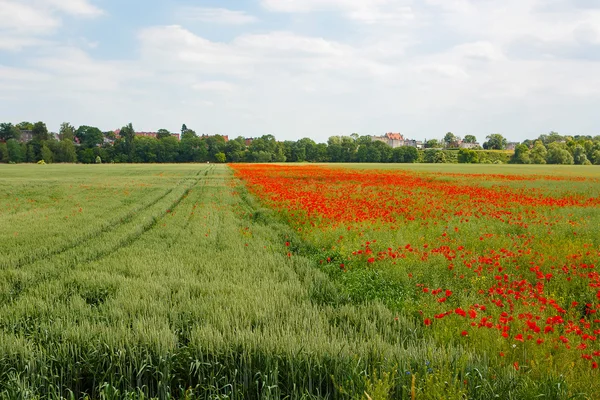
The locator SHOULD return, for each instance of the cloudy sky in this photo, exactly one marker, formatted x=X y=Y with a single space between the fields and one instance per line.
x=305 y=68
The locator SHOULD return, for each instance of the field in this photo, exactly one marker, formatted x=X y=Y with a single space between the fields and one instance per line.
x=299 y=281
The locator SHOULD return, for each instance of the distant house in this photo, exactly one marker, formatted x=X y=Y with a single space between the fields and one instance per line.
x=226 y=137
x=26 y=136
x=391 y=139
x=465 y=145
x=146 y=134
x=248 y=141
x=512 y=145
x=397 y=140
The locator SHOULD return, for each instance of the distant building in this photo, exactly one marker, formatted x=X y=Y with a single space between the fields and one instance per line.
x=512 y=145
x=248 y=141
x=397 y=140
x=226 y=137
x=145 y=134
x=26 y=136
x=391 y=139
x=465 y=145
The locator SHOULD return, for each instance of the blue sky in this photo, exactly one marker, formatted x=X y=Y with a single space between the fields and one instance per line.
x=305 y=68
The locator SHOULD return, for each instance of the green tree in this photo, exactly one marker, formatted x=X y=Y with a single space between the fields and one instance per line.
x=4 y=153
x=432 y=144
x=405 y=154
x=552 y=137
x=220 y=157
x=538 y=153
x=470 y=139
x=40 y=132
x=558 y=154
x=433 y=156
x=66 y=152
x=145 y=150
x=16 y=152
x=580 y=156
x=450 y=139
x=46 y=154
x=67 y=131
x=167 y=149
x=495 y=141
x=9 y=131
x=89 y=136
x=25 y=126
x=468 y=156
x=163 y=133
x=128 y=133
x=521 y=155
x=235 y=150
x=216 y=144
x=128 y=136
x=193 y=149
x=184 y=129
x=30 y=155
x=188 y=134
x=334 y=149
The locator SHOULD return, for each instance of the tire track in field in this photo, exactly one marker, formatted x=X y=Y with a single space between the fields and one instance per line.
x=110 y=226
x=188 y=220
x=129 y=238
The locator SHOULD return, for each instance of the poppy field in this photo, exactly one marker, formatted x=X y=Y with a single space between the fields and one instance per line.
x=299 y=282
x=503 y=264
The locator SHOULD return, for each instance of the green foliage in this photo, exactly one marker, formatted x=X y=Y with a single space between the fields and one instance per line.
x=8 y=131
x=470 y=139
x=220 y=157
x=40 y=132
x=89 y=136
x=558 y=154
x=25 y=126
x=580 y=156
x=538 y=153
x=405 y=154
x=46 y=154
x=16 y=151
x=432 y=144
x=4 y=158
x=163 y=133
x=467 y=156
x=521 y=155
x=495 y=141
x=67 y=132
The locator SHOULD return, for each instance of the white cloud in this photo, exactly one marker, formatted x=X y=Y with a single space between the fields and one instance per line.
x=214 y=86
x=75 y=7
x=26 y=22
x=215 y=15
x=25 y=18
x=366 y=11
x=422 y=68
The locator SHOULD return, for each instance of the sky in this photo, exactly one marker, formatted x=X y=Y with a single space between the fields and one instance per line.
x=305 y=68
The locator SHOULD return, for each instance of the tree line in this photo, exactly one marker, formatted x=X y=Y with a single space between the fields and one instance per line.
x=87 y=144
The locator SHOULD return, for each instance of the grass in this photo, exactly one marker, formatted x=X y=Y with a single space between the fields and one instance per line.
x=173 y=281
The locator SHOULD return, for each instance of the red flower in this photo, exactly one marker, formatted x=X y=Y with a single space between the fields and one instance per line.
x=519 y=337
x=464 y=333
x=427 y=322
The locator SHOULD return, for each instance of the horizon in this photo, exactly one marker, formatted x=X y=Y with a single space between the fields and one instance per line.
x=305 y=68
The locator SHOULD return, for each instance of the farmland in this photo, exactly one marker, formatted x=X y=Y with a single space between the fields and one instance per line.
x=299 y=281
